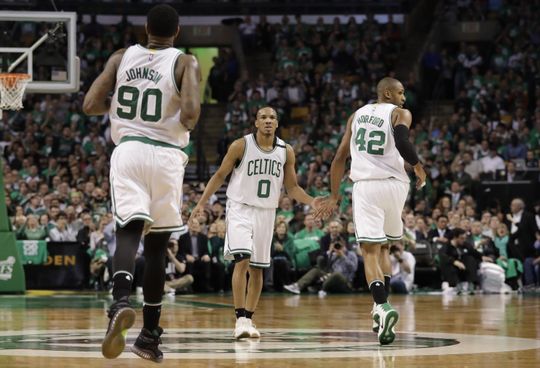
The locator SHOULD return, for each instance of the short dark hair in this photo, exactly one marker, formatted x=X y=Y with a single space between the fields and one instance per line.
x=457 y=232
x=162 y=21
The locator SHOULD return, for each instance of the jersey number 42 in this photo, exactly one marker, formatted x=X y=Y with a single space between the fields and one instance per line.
x=375 y=142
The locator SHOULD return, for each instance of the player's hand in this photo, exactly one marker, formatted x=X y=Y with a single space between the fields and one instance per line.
x=205 y=258
x=420 y=175
x=195 y=212
x=317 y=202
x=326 y=208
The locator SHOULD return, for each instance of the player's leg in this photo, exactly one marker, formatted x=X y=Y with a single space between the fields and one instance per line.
x=384 y=315
x=386 y=266
x=392 y=203
x=155 y=249
x=239 y=286
x=130 y=206
x=239 y=246
x=263 y=225
x=121 y=315
x=369 y=217
x=164 y=170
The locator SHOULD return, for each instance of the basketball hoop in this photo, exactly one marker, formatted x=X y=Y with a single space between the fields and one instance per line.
x=12 y=87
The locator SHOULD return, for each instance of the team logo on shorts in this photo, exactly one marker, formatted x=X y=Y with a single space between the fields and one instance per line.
x=207 y=344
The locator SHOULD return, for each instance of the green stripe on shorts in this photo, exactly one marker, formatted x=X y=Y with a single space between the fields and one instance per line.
x=371 y=240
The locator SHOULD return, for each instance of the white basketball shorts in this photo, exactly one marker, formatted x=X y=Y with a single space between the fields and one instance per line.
x=146 y=184
x=249 y=231
x=377 y=207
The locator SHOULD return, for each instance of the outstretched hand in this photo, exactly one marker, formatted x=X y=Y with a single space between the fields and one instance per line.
x=195 y=212
x=420 y=175
x=325 y=207
x=317 y=202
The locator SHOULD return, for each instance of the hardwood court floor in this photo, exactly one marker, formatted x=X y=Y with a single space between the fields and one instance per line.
x=491 y=331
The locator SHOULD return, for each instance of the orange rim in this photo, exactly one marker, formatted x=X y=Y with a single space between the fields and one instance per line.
x=10 y=79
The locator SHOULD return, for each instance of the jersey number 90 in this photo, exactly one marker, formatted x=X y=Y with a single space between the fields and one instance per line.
x=128 y=99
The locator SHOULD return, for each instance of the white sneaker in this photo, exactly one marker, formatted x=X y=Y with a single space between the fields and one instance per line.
x=242 y=328
x=450 y=291
x=322 y=293
x=253 y=332
x=293 y=288
x=375 y=318
x=388 y=317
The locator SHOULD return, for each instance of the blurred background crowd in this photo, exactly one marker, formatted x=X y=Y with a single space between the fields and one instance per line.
x=56 y=159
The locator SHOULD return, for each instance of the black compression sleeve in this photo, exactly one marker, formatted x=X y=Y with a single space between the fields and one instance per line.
x=405 y=148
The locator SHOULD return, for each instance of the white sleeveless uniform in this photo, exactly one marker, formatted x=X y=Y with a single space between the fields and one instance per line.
x=377 y=170
x=252 y=198
x=147 y=166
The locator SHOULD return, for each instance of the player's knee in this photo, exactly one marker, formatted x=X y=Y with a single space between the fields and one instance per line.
x=255 y=272
x=241 y=257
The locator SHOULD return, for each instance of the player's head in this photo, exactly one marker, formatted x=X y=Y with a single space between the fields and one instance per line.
x=162 y=21
x=266 y=122
x=391 y=90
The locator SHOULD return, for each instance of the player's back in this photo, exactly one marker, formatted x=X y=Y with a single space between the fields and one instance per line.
x=146 y=101
x=373 y=150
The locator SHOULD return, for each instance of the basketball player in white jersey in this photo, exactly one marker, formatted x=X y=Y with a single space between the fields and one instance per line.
x=377 y=139
x=155 y=104
x=261 y=164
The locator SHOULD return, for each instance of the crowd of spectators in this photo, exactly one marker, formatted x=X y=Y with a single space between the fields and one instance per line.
x=56 y=158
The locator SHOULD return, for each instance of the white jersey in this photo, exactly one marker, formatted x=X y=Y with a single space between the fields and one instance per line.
x=146 y=100
x=258 y=178
x=373 y=149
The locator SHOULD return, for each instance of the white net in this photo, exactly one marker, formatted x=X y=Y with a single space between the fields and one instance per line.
x=12 y=87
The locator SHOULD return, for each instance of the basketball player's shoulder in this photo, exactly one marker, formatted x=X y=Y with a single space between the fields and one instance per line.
x=401 y=112
x=185 y=61
x=116 y=57
x=281 y=144
x=238 y=144
x=401 y=116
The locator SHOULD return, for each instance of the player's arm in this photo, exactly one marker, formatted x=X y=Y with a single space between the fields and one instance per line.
x=291 y=184
x=97 y=101
x=188 y=77
x=234 y=154
x=401 y=120
x=337 y=170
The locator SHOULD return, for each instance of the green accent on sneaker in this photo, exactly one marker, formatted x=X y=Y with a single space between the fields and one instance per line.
x=389 y=319
x=375 y=326
x=115 y=340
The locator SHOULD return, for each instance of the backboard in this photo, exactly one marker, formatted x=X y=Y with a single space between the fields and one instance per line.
x=42 y=44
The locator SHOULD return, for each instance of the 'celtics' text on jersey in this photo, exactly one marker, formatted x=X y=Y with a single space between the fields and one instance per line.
x=258 y=179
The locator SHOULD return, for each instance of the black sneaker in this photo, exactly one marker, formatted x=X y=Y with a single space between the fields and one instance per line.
x=146 y=345
x=121 y=317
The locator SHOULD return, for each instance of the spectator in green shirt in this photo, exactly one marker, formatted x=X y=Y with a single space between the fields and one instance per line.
x=285 y=209
x=310 y=231
x=31 y=230
x=318 y=189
